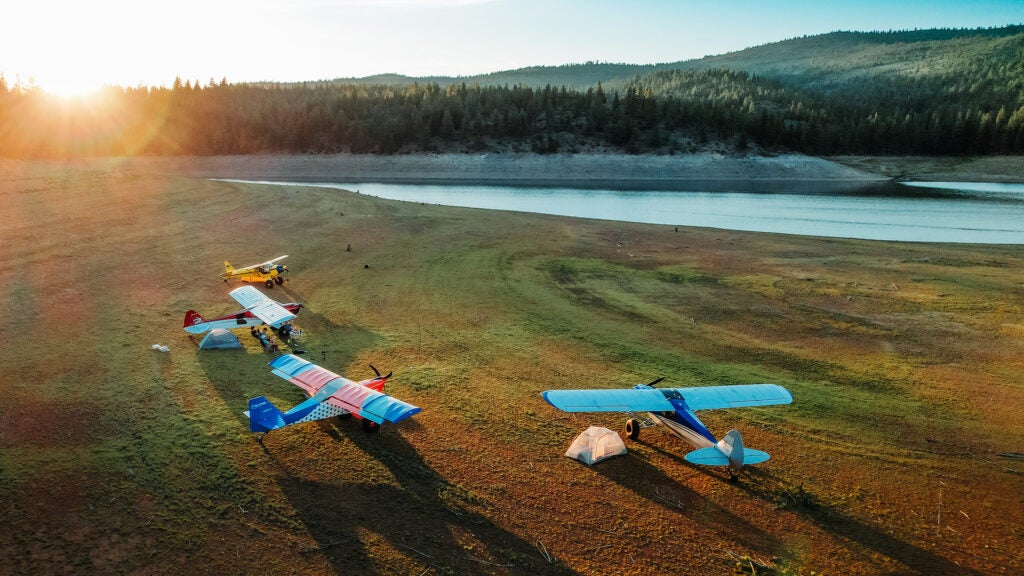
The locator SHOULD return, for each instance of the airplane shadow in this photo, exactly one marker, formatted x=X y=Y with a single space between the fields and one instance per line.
x=412 y=517
x=768 y=486
x=650 y=482
x=414 y=522
x=765 y=485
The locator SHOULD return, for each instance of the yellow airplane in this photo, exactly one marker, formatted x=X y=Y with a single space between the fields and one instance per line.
x=267 y=273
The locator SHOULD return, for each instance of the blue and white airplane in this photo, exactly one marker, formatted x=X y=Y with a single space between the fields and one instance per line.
x=329 y=395
x=676 y=408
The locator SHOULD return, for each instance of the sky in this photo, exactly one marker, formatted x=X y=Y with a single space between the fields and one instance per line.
x=71 y=47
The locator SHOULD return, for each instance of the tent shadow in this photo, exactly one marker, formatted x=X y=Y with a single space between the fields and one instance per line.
x=406 y=524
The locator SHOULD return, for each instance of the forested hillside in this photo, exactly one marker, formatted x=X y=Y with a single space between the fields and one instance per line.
x=941 y=92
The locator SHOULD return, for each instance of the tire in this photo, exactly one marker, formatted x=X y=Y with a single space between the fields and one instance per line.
x=278 y=280
x=269 y=283
x=369 y=426
x=632 y=429
x=345 y=416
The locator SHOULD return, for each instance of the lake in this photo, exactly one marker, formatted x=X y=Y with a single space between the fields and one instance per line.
x=957 y=212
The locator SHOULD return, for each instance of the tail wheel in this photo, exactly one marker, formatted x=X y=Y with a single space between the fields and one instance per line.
x=632 y=429
x=269 y=283
x=278 y=280
x=369 y=426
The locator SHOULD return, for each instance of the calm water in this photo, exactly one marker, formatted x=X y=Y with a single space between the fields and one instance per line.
x=918 y=212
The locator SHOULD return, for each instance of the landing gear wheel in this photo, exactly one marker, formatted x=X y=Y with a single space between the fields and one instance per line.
x=278 y=280
x=733 y=477
x=345 y=416
x=369 y=426
x=632 y=429
x=269 y=283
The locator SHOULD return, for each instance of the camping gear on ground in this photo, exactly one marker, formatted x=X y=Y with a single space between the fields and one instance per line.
x=596 y=444
x=220 y=339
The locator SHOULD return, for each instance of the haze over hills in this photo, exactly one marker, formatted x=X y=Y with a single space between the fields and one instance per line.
x=844 y=56
x=922 y=92
x=821 y=60
x=575 y=76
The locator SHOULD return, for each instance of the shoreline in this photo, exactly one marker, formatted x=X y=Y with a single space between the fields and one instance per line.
x=575 y=170
x=662 y=185
x=585 y=170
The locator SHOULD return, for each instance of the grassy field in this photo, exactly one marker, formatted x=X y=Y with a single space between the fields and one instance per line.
x=904 y=360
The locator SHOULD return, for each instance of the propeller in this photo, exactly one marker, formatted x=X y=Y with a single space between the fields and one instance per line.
x=656 y=381
x=377 y=372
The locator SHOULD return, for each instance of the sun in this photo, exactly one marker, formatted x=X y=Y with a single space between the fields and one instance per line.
x=70 y=86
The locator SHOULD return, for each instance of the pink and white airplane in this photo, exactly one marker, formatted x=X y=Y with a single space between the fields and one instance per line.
x=329 y=395
x=259 y=309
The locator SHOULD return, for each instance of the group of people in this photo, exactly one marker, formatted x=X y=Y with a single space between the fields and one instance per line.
x=285 y=331
x=266 y=339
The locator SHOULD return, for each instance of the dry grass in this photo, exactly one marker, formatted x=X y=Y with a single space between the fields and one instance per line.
x=904 y=359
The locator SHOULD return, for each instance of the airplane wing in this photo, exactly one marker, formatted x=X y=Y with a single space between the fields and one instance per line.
x=325 y=386
x=262 y=307
x=658 y=399
x=269 y=262
x=735 y=396
x=619 y=400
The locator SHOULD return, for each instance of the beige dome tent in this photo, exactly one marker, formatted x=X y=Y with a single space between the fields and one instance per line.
x=596 y=444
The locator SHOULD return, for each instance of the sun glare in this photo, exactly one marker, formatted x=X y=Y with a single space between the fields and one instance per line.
x=70 y=87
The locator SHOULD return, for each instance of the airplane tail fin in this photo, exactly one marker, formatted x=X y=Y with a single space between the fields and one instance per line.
x=228 y=269
x=192 y=322
x=263 y=416
x=728 y=452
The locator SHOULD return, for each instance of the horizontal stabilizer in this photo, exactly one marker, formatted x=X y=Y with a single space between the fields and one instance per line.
x=710 y=456
x=751 y=456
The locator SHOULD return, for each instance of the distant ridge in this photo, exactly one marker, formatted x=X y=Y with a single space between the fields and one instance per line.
x=846 y=55
x=843 y=55
x=574 y=76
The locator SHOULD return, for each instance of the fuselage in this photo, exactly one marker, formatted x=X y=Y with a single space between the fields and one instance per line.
x=679 y=427
x=255 y=273
x=682 y=422
x=240 y=319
